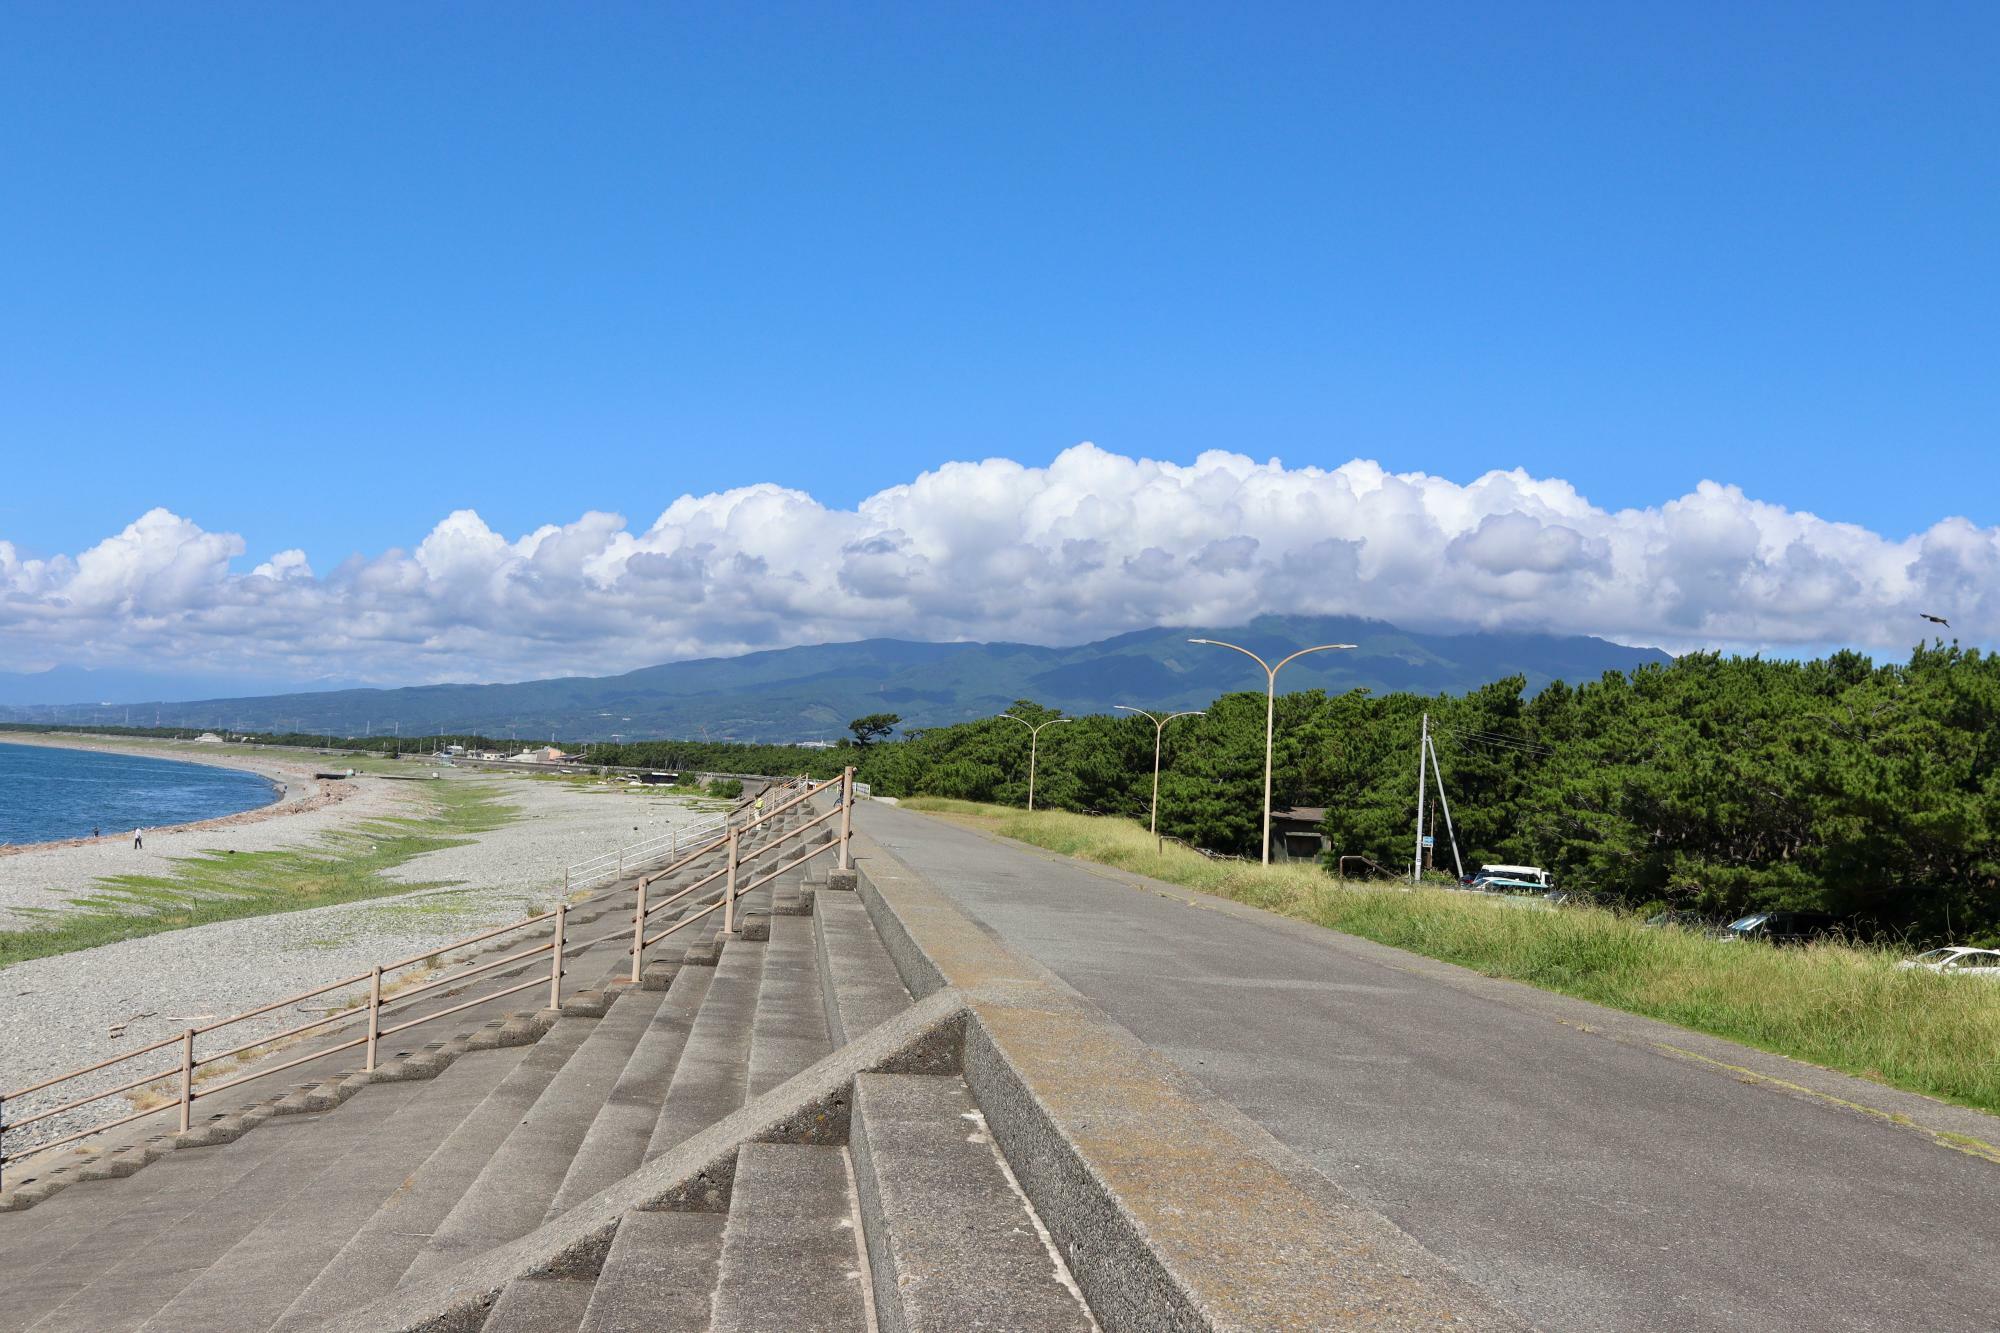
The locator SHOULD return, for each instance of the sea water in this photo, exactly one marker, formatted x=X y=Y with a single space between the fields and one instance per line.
x=48 y=793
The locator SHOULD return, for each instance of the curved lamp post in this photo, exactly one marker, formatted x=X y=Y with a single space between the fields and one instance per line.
x=1034 y=738
x=1270 y=713
x=1159 y=730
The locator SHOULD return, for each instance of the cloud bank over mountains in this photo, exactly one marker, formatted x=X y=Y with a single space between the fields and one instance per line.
x=1093 y=544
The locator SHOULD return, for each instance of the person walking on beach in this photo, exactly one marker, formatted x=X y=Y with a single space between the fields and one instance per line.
x=138 y=839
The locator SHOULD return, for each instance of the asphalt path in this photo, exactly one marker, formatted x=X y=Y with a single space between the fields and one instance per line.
x=1588 y=1169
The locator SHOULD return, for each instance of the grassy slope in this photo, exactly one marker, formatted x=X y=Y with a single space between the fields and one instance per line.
x=345 y=866
x=1841 y=1007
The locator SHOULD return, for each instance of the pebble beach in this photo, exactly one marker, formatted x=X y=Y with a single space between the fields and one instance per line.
x=73 y=1009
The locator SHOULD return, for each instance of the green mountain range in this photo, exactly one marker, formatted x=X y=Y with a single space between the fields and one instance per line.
x=810 y=693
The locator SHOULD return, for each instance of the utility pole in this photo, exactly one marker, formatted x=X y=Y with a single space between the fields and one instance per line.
x=1423 y=754
x=1437 y=772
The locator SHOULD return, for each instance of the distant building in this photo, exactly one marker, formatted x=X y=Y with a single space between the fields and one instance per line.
x=1295 y=834
x=544 y=754
x=208 y=738
x=812 y=745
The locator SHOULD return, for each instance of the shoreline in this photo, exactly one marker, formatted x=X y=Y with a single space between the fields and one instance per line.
x=74 y=1007
x=294 y=788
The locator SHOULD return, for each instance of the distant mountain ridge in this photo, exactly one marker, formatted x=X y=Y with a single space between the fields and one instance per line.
x=811 y=692
x=69 y=685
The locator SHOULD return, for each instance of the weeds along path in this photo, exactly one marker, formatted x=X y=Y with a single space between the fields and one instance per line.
x=1837 y=1006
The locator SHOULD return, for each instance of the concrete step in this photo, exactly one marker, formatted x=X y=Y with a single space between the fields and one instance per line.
x=859 y=983
x=789 y=1032
x=660 y=1275
x=539 y=1305
x=712 y=1076
x=513 y=1190
x=790 y=1256
x=148 y=1276
x=952 y=1242
x=32 y=1236
x=101 y=1222
x=253 y=1284
x=221 y=1116
x=584 y=964
x=617 y=1139
x=374 y=1260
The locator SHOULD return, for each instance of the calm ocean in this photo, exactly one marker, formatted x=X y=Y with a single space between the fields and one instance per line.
x=47 y=793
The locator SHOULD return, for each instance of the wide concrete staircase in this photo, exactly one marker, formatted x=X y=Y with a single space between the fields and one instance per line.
x=349 y=1189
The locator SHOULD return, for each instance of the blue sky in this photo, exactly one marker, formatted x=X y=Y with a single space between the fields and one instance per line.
x=319 y=275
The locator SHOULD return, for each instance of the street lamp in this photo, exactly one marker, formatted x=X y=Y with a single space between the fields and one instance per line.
x=1034 y=737
x=1159 y=730
x=1270 y=713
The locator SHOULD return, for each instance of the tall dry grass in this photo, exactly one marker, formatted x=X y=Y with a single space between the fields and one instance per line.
x=1840 y=1006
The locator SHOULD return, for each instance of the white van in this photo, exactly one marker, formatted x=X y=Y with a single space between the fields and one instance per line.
x=1512 y=879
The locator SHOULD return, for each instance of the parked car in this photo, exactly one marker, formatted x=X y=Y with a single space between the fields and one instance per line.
x=1956 y=960
x=1782 y=927
x=1686 y=920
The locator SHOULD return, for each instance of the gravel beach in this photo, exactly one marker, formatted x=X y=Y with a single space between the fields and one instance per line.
x=59 y=1013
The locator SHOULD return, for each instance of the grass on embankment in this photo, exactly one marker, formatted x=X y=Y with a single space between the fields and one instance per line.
x=1844 y=1008
x=344 y=866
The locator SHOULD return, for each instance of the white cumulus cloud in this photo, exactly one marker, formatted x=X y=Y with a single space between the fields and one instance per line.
x=1091 y=545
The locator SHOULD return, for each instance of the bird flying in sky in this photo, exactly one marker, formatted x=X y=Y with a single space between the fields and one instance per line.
x=1935 y=620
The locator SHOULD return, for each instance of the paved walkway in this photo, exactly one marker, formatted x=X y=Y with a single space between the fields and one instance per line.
x=1590 y=1169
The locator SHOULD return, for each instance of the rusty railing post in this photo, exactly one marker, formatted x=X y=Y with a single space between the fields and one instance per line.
x=729 y=889
x=187 y=1079
x=374 y=1016
x=846 y=811
x=638 y=928
x=556 y=958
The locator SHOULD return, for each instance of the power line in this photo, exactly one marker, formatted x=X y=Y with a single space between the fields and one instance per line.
x=1512 y=743
x=1493 y=735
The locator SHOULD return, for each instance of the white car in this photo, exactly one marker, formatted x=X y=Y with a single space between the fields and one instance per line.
x=1957 y=961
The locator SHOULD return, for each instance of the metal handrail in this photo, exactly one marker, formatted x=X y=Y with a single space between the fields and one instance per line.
x=445 y=1013
x=701 y=883
x=687 y=920
x=774 y=843
x=377 y=1003
x=732 y=891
